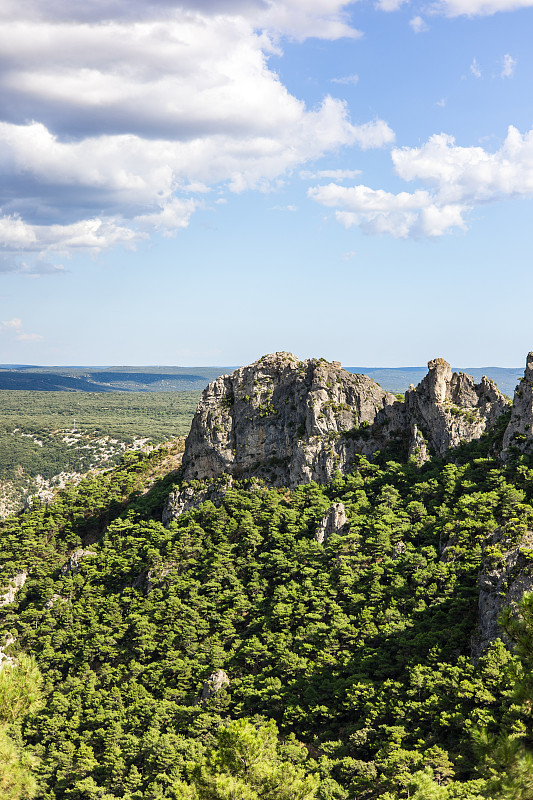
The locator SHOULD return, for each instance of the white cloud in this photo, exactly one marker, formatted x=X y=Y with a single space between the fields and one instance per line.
x=390 y=5
x=16 y=326
x=30 y=337
x=418 y=25
x=334 y=174
x=456 y=179
x=474 y=69
x=134 y=107
x=441 y=103
x=401 y=215
x=346 y=80
x=90 y=234
x=508 y=66
x=325 y=19
x=471 y=8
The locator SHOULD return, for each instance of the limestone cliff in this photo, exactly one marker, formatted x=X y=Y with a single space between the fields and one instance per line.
x=505 y=575
x=280 y=419
x=290 y=422
x=519 y=432
x=446 y=409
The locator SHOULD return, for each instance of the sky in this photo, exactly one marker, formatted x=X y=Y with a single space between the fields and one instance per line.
x=203 y=182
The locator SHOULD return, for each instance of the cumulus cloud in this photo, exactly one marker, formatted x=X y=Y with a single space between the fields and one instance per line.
x=455 y=180
x=401 y=215
x=116 y=117
x=13 y=323
x=471 y=8
x=508 y=66
x=325 y=19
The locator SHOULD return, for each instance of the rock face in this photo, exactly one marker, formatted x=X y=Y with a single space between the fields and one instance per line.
x=505 y=575
x=216 y=681
x=290 y=422
x=5 y=660
x=446 y=409
x=8 y=592
x=519 y=432
x=186 y=499
x=333 y=521
x=73 y=563
x=279 y=419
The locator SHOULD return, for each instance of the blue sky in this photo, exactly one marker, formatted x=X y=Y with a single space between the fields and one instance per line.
x=203 y=182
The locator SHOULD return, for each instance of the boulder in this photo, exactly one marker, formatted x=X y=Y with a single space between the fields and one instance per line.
x=216 y=681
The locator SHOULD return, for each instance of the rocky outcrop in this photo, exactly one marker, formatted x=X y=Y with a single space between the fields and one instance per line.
x=290 y=422
x=216 y=681
x=505 y=575
x=5 y=660
x=72 y=566
x=279 y=419
x=8 y=593
x=333 y=521
x=189 y=498
x=519 y=432
x=447 y=409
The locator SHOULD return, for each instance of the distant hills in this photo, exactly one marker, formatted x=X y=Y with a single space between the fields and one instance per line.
x=178 y=379
x=397 y=379
x=107 y=379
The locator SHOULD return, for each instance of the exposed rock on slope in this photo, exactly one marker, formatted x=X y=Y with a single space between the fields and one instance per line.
x=446 y=409
x=291 y=422
x=505 y=575
x=7 y=593
x=333 y=521
x=279 y=419
x=519 y=432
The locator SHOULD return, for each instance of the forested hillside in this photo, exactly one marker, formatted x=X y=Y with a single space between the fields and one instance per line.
x=47 y=438
x=352 y=663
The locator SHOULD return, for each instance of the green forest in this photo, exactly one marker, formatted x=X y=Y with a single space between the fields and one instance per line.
x=46 y=433
x=350 y=663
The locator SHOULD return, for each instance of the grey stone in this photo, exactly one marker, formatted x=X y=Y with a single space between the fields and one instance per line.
x=216 y=681
x=16 y=583
x=72 y=565
x=56 y=598
x=6 y=660
x=502 y=581
x=188 y=498
x=519 y=431
x=289 y=422
x=282 y=420
x=333 y=521
x=446 y=409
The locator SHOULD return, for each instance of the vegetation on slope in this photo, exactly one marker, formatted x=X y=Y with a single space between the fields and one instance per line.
x=358 y=650
x=48 y=433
